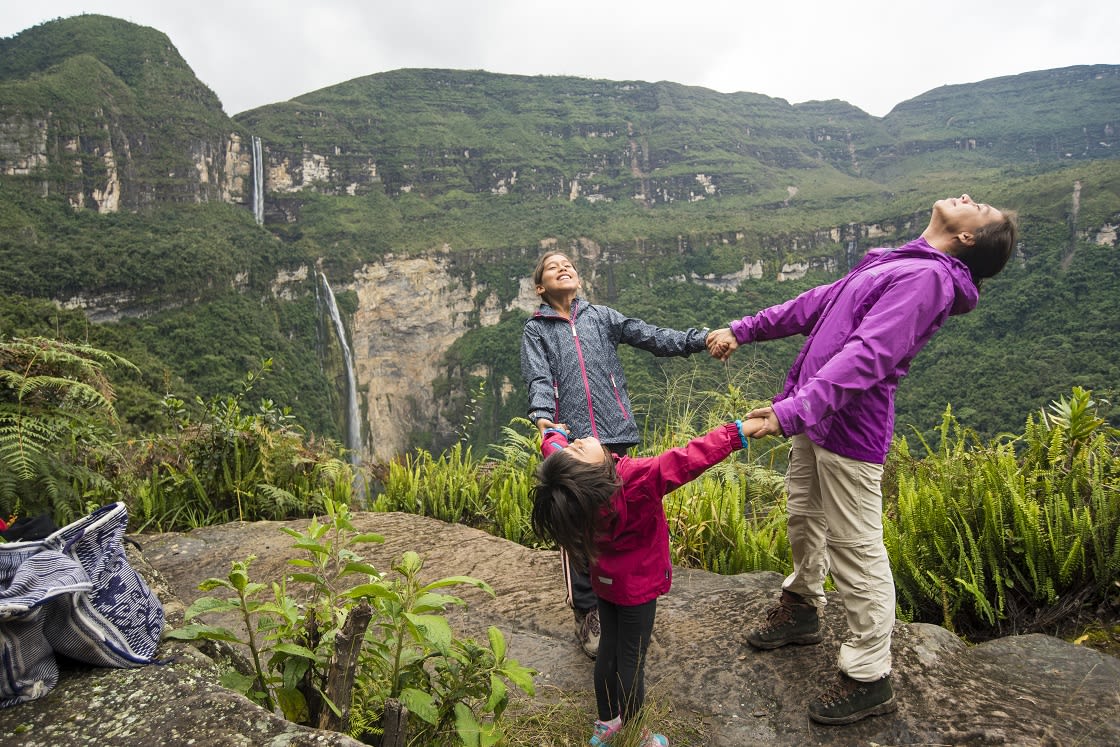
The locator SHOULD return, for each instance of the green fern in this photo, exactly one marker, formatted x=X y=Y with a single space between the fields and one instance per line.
x=56 y=415
x=994 y=533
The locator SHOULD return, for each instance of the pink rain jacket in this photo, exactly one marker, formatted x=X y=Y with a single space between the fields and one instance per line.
x=633 y=566
x=863 y=330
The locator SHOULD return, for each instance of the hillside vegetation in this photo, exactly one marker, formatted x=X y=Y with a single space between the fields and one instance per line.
x=160 y=347
x=669 y=185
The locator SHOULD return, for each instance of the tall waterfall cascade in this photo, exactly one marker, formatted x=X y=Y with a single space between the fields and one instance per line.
x=353 y=414
x=258 y=182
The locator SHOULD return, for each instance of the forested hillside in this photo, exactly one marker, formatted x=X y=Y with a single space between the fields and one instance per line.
x=126 y=197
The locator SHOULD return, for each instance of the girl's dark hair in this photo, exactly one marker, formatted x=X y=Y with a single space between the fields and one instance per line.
x=991 y=248
x=569 y=501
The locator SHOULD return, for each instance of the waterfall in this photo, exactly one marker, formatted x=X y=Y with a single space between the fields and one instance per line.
x=353 y=415
x=258 y=183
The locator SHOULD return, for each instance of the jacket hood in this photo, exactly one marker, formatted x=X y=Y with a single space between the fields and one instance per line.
x=966 y=293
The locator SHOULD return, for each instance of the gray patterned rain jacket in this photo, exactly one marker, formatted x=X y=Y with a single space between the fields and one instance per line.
x=573 y=374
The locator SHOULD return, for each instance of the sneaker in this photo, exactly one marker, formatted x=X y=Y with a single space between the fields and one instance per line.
x=850 y=700
x=580 y=615
x=604 y=731
x=588 y=631
x=653 y=740
x=792 y=620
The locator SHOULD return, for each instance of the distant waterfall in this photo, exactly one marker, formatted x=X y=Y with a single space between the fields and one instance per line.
x=258 y=182
x=353 y=415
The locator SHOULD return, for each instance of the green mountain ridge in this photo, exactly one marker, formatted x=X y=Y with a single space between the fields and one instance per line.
x=124 y=188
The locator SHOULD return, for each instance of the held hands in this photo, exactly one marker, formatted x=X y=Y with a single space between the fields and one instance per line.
x=762 y=422
x=545 y=423
x=721 y=343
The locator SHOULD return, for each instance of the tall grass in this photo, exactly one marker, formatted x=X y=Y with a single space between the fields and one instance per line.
x=986 y=538
x=1008 y=536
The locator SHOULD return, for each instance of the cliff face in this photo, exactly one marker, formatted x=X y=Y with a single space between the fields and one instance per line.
x=427 y=194
x=410 y=311
x=109 y=114
x=97 y=168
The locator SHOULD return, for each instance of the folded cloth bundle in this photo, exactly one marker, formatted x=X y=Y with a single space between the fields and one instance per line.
x=72 y=593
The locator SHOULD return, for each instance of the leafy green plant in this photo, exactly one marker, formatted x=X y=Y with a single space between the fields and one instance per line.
x=333 y=656
x=1078 y=417
x=1008 y=535
x=411 y=655
x=57 y=438
x=292 y=642
x=730 y=522
x=230 y=463
x=258 y=686
x=445 y=487
x=509 y=497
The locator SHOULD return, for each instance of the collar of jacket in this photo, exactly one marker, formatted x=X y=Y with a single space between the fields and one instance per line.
x=547 y=312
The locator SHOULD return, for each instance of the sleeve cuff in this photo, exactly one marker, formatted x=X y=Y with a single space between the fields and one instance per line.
x=742 y=437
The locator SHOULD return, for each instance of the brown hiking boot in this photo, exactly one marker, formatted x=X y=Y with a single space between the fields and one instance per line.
x=850 y=700
x=792 y=620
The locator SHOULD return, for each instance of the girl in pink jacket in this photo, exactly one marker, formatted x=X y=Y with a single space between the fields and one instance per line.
x=605 y=511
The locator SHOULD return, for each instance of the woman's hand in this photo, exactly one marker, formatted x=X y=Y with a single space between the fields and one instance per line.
x=721 y=343
x=763 y=422
x=545 y=423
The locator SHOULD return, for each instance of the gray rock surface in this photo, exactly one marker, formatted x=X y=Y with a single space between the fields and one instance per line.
x=1026 y=690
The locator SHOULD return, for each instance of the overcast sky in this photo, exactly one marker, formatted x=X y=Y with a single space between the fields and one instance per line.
x=871 y=53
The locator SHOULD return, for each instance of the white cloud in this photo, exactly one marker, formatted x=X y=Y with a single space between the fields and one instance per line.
x=873 y=54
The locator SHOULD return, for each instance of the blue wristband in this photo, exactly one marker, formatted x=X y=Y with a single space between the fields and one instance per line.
x=742 y=438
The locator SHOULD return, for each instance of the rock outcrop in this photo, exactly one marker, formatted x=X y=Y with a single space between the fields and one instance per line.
x=1026 y=690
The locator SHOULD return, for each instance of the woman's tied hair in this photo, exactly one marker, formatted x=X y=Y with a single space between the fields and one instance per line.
x=991 y=247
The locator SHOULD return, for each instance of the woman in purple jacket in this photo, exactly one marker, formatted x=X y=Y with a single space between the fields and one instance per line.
x=605 y=511
x=838 y=405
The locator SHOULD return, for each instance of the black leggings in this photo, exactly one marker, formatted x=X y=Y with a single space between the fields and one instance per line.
x=620 y=687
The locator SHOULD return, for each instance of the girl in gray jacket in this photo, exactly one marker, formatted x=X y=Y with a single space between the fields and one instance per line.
x=569 y=359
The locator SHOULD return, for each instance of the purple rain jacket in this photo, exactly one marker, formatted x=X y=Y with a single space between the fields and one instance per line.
x=634 y=565
x=863 y=330
x=572 y=370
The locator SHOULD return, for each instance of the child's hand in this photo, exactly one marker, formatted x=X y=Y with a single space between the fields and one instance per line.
x=554 y=439
x=752 y=426
x=762 y=422
x=544 y=423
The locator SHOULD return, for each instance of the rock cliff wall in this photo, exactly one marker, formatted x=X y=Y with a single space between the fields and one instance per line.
x=102 y=164
x=410 y=311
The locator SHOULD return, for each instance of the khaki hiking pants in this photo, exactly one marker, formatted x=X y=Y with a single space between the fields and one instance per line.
x=836 y=524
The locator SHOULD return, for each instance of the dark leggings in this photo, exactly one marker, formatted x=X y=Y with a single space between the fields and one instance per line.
x=620 y=687
x=580 y=594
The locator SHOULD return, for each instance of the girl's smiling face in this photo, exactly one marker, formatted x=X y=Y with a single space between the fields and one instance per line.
x=558 y=276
